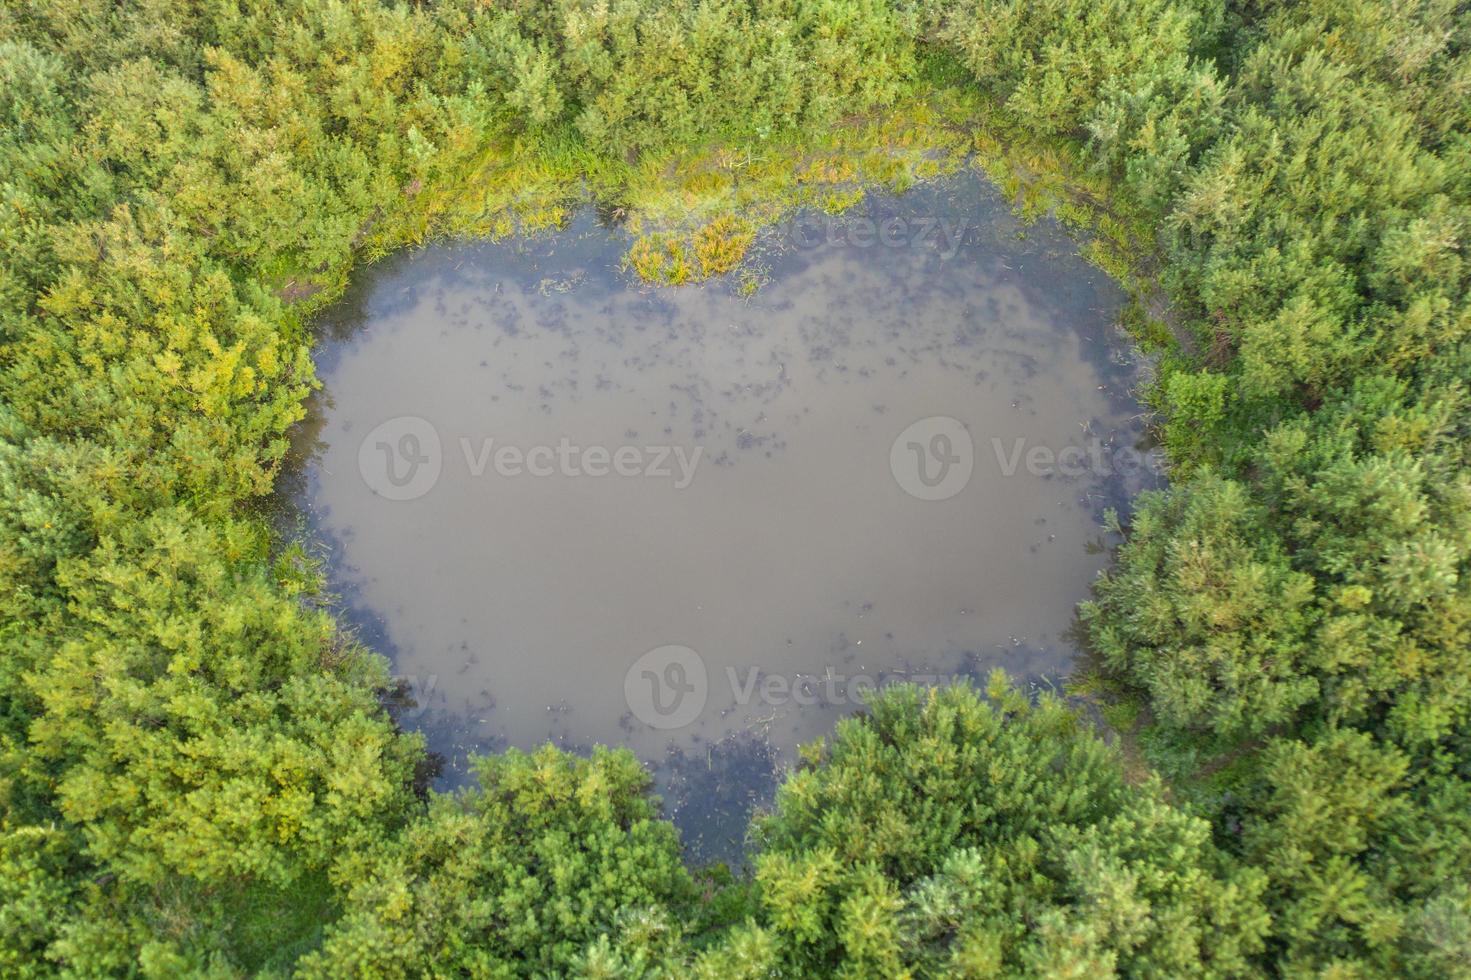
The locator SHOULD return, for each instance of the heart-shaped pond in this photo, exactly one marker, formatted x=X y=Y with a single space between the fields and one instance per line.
x=571 y=506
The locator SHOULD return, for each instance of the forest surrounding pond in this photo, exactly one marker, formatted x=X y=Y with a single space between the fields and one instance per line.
x=1263 y=765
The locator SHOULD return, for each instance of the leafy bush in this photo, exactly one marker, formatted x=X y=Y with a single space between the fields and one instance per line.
x=1207 y=614
x=516 y=877
x=943 y=836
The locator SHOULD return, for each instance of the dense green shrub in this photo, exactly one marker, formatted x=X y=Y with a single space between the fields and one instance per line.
x=1319 y=243
x=944 y=836
x=518 y=876
x=1208 y=614
x=631 y=75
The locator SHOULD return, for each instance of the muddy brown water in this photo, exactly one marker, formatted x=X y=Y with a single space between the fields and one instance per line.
x=569 y=506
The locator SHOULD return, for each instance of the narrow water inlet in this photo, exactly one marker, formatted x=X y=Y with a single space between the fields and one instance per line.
x=569 y=506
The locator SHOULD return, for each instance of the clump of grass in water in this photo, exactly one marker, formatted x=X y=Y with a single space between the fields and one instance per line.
x=840 y=201
x=714 y=249
x=721 y=245
x=660 y=258
x=828 y=170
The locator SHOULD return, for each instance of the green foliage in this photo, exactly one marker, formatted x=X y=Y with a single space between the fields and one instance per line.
x=1309 y=609
x=1208 y=615
x=944 y=836
x=1322 y=227
x=634 y=76
x=1124 y=76
x=1194 y=410
x=36 y=885
x=517 y=877
x=1335 y=614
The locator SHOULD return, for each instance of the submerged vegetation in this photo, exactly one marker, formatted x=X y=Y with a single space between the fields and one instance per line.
x=196 y=773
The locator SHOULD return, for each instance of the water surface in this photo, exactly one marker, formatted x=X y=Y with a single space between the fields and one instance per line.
x=573 y=507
